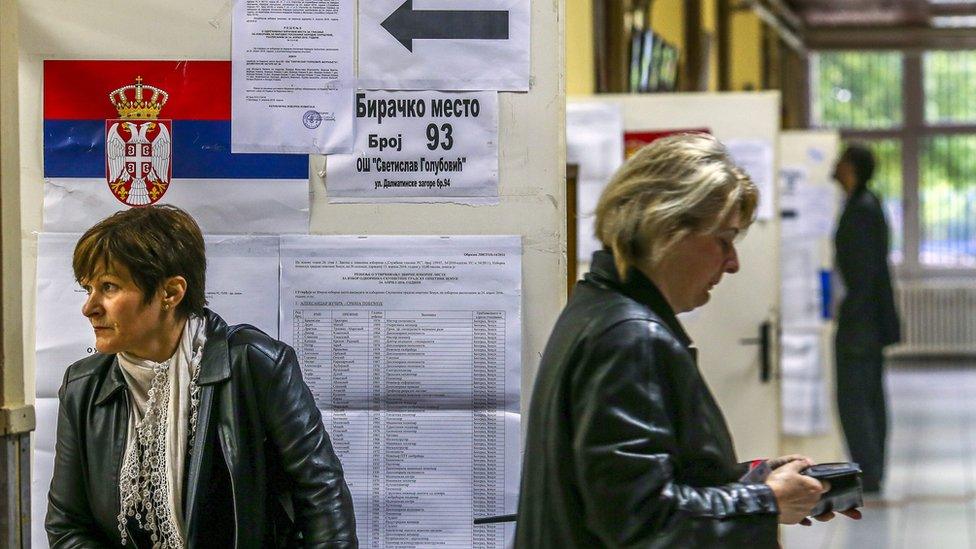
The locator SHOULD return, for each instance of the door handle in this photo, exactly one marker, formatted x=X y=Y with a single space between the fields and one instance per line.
x=765 y=346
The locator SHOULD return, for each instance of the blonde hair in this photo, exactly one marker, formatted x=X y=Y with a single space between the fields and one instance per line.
x=676 y=186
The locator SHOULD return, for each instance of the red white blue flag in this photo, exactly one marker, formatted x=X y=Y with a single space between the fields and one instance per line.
x=130 y=133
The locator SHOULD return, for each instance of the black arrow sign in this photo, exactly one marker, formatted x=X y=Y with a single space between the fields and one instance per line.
x=407 y=25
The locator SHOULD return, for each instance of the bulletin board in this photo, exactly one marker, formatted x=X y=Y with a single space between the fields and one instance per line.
x=531 y=153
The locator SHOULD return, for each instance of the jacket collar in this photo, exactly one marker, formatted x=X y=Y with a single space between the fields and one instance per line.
x=214 y=367
x=638 y=287
x=859 y=190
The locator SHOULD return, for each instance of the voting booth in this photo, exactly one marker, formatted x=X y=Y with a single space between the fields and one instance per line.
x=397 y=217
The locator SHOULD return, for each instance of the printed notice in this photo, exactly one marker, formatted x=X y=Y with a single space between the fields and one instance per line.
x=804 y=391
x=424 y=146
x=755 y=157
x=594 y=142
x=292 y=76
x=411 y=346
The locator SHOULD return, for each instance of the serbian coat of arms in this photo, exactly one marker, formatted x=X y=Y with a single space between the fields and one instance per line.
x=138 y=145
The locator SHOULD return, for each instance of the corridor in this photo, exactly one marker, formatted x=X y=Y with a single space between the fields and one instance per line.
x=928 y=498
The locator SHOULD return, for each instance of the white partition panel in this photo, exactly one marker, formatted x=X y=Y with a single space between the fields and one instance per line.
x=811 y=155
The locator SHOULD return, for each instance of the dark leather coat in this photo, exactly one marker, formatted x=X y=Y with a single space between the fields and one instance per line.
x=867 y=320
x=262 y=471
x=626 y=446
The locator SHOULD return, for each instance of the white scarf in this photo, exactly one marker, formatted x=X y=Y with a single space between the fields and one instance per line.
x=162 y=422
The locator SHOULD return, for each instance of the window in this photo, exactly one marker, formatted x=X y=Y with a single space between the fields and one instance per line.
x=947 y=201
x=858 y=90
x=950 y=87
x=925 y=148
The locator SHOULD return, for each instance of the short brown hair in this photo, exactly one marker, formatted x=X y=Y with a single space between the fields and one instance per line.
x=675 y=186
x=154 y=243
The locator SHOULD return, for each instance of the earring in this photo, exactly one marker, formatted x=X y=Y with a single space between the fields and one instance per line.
x=165 y=306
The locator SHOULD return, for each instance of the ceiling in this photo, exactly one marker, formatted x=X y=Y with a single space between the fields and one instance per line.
x=884 y=13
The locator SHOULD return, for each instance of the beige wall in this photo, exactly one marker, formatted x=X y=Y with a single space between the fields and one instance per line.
x=746 y=55
x=667 y=19
x=13 y=384
x=580 y=79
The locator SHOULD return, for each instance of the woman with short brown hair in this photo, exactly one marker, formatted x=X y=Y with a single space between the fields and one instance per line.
x=184 y=431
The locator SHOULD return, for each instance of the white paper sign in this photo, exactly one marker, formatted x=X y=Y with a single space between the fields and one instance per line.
x=292 y=76
x=595 y=139
x=803 y=389
x=219 y=206
x=755 y=156
x=444 y=44
x=809 y=208
x=801 y=294
x=595 y=142
x=412 y=349
x=424 y=146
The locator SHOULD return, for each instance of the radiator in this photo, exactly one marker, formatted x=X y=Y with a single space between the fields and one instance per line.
x=937 y=319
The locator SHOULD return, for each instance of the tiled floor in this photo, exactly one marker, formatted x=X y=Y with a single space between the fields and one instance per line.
x=929 y=497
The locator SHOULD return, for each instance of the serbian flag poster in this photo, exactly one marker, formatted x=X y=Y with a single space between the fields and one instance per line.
x=123 y=134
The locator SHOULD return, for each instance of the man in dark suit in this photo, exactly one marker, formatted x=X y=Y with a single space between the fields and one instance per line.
x=867 y=320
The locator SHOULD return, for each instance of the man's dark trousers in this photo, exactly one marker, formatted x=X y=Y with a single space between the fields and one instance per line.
x=863 y=414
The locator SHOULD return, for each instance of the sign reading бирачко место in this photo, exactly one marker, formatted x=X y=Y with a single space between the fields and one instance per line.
x=423 y=146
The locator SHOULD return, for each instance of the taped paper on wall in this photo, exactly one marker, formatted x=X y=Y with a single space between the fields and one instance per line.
x=293 y=76
x=594 y=141
x=412 y=349
x=808 y=208
x=755 y=156
x=424 y=146
x=803 y=388
x=444 y=45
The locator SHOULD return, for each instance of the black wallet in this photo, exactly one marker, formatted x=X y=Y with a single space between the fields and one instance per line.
x=845 y=486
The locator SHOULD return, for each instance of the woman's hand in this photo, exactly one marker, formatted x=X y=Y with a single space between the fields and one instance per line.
x=776 y=463
x=796 y=494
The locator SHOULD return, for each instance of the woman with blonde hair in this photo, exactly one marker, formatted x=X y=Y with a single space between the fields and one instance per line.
x=626 y=446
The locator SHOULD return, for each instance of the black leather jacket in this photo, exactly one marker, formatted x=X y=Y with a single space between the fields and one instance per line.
x=262 y=472
x=867 y=320
x=626 y=446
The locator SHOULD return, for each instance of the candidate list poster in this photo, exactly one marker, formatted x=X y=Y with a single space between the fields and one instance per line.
x=411 y=346
x=425 y=146
x=121 y=134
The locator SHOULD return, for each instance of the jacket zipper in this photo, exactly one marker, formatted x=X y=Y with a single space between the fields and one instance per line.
x=233 y=488
x=118 y=474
